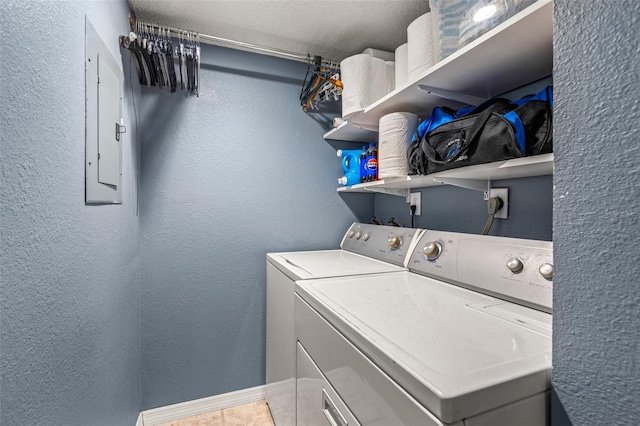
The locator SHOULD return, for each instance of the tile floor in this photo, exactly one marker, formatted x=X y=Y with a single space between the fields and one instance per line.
x=254 y=414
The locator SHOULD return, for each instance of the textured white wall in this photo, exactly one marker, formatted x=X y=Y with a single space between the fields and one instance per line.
x=70 y=288
x=333 y=29
x=596 y=333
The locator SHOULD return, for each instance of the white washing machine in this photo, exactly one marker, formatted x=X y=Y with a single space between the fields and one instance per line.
x=365 y=249
x=463 y=338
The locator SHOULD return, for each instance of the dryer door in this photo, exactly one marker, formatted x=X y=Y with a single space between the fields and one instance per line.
x=317 y=402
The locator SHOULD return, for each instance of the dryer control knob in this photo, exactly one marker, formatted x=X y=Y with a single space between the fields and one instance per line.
x=546 y=270
x=394 y=241
x=432 y=250
x=358 y=235
x=351 y=234
x=515 y=265
x=365 y=236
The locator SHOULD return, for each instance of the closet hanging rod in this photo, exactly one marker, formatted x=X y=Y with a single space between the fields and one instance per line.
x=219 y=41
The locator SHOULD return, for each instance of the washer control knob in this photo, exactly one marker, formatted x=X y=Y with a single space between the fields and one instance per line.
x=432 y=250
x=546 y=270
x=358 y=235
x=365 y=236
x=394 y=241
x=515 y=265
x=351 y=234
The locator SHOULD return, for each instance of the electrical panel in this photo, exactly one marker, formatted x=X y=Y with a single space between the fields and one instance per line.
x=103 y=138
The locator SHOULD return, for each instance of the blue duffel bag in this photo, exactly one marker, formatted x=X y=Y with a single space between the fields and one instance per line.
x=497 y=130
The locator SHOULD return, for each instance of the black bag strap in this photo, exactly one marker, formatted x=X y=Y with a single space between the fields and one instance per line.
x=478 y=126
x=491 y=103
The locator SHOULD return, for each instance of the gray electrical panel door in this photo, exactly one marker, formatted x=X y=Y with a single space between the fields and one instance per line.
x=108 y=124
x=104 y=135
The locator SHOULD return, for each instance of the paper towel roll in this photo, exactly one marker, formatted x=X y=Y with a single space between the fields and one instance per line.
x=394 y=138
x=420 y=53
x=402 y=66
x=382 y=54
x=391 y=76
x=365 y=80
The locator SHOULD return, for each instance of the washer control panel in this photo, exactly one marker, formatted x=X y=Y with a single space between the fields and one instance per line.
x=387 y=243
x=510 y=268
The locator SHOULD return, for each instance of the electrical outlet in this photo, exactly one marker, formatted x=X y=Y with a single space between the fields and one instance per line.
x=415 y=199
x=503 y=194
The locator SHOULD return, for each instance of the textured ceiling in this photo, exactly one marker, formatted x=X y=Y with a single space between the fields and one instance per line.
x=331 y=29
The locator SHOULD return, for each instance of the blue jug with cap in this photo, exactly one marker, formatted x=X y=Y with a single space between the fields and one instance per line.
x=350 y=166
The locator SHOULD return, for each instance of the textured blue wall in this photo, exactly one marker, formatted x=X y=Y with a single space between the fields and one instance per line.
x=449 y=208
x=70 y=273
x=70 y=288
x=226 y=178
x=596 y=332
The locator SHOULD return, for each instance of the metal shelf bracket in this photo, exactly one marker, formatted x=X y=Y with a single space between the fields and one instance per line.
x=454 y=96
x=399 y=192
x=476 y=185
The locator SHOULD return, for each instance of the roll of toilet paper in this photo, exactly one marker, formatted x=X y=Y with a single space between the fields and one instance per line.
x=402 y=64
x=391 y=76
x=382 y=54
x=394 y=138
x=365 y=79
x=420 y=52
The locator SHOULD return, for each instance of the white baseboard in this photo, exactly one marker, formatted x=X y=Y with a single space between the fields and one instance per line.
x=199 y=406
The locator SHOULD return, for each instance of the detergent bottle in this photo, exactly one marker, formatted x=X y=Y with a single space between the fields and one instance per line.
x=350 y=166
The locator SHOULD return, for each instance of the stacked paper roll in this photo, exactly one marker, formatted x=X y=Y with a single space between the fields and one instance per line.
x=382 y=54
x=394 y=138
x=391 y=76
x=420 y=55
x=365 y=79
x=402 y=65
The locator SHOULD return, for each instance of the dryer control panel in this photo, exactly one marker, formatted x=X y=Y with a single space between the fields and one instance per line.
x=514 y=269
x=387 y=243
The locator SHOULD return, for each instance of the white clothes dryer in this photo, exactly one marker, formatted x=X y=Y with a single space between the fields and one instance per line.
x=463 y=338
x=365 y=249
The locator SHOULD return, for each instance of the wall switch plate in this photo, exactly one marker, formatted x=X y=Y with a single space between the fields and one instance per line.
x=415 y=199
x=503 y=194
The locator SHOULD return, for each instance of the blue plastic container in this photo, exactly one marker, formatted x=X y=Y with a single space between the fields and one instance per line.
x=350 y=166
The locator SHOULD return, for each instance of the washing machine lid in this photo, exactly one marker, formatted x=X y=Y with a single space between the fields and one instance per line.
x=304 y=265
x=458 y=352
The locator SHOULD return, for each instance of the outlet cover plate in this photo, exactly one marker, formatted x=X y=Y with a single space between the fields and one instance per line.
x=503 y=193
x=416 y=198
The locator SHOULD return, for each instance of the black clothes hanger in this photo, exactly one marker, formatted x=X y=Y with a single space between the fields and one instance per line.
x=321 y=83
x=156 y=59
